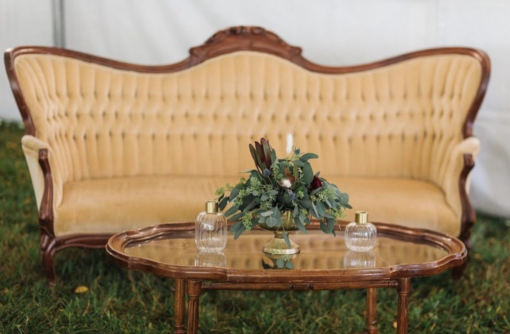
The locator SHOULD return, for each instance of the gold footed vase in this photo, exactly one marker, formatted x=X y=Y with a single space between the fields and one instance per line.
x=277 y=245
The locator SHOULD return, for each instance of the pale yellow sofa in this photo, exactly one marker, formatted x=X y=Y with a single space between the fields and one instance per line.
x=114 y=146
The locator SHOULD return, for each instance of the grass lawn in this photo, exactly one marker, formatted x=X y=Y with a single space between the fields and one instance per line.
x=119 y=301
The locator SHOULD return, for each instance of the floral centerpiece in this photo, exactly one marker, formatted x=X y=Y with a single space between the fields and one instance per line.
x=282 y=195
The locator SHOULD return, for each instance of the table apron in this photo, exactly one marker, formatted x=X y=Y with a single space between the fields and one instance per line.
x=298 y=286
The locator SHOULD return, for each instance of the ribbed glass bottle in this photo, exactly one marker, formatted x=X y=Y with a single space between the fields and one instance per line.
x=211 y=229
x=360 y=235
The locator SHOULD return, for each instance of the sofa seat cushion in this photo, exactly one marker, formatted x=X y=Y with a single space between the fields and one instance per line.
x=402 y=201
x=118 y=204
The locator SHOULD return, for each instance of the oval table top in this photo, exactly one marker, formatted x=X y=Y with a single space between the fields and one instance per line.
x=169 y=250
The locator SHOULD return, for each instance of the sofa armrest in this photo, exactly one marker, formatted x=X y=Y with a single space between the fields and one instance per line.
x=32 y=146
x=455 y=167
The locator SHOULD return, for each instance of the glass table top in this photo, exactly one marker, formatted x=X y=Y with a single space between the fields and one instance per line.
x=318 y=251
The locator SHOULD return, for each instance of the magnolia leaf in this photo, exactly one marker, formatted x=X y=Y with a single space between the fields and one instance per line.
x=344 y=197
x=316 y=190
x=267 y=213
x=306 y=203
x=286 y=238
x=271 y=221
x=232 y=210
x=234 y=193
x=273 y=157
x=239 y=231
x=331 y=224
x=324 y=228
x=295 y=213
x=315 y=211
x=280 y=263
x=223 y=203
x=299 y=224
x=250 y=205
x=307 y=174
x=236 y=216
x=247 y=171
x=289 y=265
x=277 y=216
x=235 y=227
x=307 y=156
x=321 y=209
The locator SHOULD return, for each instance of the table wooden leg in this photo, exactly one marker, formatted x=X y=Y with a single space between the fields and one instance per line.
x=372 y=311
x=179 y=310
x=194 y=289
x=404 y=286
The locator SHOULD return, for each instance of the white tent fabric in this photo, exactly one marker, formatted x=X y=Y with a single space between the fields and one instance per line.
x=339 y=32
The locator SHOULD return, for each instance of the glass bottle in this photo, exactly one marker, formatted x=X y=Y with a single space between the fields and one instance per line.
x=211 y=229
x=360 y=235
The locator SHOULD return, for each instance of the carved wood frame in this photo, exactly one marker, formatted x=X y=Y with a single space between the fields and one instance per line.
x=226 y=41
x=457 y=253
x=217 y=278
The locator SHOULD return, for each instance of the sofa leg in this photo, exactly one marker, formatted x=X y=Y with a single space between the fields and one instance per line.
x=459 y=271
x=48 y=249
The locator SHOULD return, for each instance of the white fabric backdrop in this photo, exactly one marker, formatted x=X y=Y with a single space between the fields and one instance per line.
x=334 y=32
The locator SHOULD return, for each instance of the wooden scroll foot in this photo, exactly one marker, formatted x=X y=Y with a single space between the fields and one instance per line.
x=194 y=290
x=47 y=253
x=404 y=286
x=179 y=310
x=457 y=272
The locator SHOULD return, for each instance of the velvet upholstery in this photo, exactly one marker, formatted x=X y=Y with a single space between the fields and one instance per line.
x=129 y=149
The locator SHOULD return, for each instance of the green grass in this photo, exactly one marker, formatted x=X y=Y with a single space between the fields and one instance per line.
x=119 y=301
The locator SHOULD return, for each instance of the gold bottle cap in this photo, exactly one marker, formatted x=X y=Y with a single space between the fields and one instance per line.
x=211 y=206
x=361 y=217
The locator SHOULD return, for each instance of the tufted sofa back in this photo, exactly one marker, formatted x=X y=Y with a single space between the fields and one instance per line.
x=397 y=120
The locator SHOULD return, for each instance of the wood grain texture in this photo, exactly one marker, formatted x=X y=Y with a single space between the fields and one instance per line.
x=456 y=255
x=194 y=290
x=404 y=286
x=371 y=319
x=179 y=308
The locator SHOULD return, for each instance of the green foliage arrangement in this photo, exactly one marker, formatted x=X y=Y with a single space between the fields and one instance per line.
x=280 y=185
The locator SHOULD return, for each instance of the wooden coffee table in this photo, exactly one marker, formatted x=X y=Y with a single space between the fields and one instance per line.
x=323 y=264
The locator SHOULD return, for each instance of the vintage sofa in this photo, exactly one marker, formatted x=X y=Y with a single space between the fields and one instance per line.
x=113 y=146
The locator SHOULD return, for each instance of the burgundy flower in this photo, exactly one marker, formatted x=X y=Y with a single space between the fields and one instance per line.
x=316 y=183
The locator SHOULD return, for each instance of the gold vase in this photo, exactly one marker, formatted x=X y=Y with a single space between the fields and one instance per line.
x=277 y=245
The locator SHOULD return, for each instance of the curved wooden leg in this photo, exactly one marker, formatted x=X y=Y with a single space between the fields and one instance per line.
x=48 y=250
x=457 y=272
x=194 y=290
x=404 y=286
x=179 y=310
x=372 y=311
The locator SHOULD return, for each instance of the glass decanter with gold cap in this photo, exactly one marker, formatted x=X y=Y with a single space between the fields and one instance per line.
x=360 y=235
x=211 y=229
